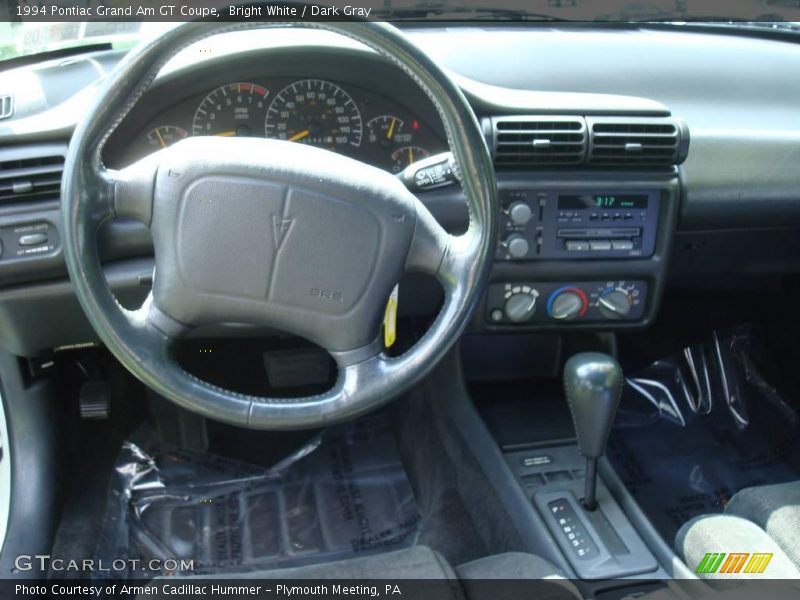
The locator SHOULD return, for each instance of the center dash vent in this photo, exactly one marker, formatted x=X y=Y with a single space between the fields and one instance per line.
x=28 y=174
x=633 y=141
x=538 y=140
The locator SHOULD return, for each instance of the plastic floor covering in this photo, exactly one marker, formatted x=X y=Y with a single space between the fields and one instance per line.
x=343 y=494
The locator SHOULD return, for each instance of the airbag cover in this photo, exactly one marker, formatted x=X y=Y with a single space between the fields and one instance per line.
x=273 y=233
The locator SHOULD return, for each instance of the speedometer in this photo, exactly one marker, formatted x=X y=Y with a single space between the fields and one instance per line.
x=315 y=112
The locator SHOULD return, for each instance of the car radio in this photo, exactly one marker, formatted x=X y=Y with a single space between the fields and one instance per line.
x=563 y=223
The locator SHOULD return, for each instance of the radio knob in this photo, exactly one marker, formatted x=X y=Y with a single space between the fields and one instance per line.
x=519 y=213
x=520 y=307
x=566 y=305
x=518 y=246
x=614 y=304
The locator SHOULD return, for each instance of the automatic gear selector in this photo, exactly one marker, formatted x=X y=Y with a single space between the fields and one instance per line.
x=593 y=385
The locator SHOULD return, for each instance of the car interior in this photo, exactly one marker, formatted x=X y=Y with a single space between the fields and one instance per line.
x=442 y=299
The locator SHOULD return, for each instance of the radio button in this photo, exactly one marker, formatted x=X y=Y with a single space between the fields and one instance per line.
x=622 y=245
x=600 y=245
x=577 y=246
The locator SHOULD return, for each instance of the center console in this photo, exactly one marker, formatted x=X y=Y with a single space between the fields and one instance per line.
x=587 y=210
x=600 y=544
x=588 y=205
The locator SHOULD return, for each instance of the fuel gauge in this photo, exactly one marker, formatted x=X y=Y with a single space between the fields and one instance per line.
x=165 y=135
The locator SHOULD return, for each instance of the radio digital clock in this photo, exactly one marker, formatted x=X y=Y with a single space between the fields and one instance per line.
x=585 y=201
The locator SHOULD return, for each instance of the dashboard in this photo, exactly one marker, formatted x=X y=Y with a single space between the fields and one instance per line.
x=305 y=107
x=583 y=241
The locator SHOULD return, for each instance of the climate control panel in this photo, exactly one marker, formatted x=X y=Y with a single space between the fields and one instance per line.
x=552 y=303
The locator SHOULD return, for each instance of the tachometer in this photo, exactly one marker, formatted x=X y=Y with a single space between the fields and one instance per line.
x=232 y=110
x=165 y=135
x=315 y=112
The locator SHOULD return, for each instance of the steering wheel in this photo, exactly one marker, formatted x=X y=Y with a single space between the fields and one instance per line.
x=273 y=233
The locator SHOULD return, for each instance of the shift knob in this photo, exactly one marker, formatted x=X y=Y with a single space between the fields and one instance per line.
x=593 y=385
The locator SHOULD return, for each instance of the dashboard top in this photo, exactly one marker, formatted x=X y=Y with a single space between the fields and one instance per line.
x=50 y=94
x=744 y=121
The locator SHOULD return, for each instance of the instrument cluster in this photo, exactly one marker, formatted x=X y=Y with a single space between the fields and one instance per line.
x=333 y=116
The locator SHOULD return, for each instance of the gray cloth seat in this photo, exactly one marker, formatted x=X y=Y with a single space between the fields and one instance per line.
x=476 y=580
x=497 y=578
x=730 y=534
x=776 y=509
x=763 y=519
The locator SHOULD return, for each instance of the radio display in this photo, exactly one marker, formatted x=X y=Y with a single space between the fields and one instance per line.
x=585 y=201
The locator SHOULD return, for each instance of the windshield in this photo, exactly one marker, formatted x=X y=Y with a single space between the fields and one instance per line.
x=26 y=38
x=37 y=26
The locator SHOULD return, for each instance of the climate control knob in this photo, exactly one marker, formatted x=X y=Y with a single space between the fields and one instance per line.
x=518 y=246
x=519 y=213
x=567 y=304
x=614 y=304
x=520 y=307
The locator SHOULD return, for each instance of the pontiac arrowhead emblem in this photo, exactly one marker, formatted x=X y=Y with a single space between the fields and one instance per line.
x=281 y=227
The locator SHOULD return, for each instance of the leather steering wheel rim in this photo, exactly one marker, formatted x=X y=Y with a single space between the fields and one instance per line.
x=91 y=195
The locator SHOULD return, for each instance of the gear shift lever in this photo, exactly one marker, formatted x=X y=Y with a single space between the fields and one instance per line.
x=593 y=385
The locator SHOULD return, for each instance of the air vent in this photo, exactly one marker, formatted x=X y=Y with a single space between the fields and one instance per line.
x=6 y=106
x=538 y=140
x=27 y=177
x=634 y=142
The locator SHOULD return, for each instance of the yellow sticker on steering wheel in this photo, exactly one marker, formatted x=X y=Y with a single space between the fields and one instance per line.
x=390 y=319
